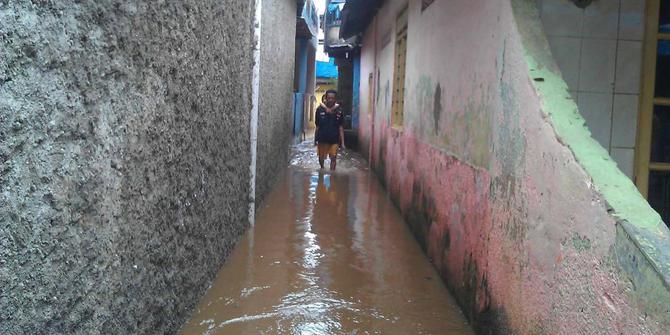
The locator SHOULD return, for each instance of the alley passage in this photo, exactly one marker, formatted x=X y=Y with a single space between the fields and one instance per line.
x=330 y=254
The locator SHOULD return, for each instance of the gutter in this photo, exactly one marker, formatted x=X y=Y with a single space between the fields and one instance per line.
x=255 y=95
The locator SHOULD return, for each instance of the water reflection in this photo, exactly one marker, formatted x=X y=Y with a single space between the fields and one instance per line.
x=329 y=255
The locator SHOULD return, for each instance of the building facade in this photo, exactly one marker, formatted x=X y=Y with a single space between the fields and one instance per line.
x=304 y=83
x=346 y=55
x=479 y=138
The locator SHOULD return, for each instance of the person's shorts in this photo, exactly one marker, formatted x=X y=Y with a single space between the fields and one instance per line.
x=327 y=149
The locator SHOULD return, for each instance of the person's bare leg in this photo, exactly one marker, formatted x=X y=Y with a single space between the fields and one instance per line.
x=320 y=155
x=333 y=162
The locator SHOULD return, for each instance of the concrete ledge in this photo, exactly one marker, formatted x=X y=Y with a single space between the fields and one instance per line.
x=642 y=247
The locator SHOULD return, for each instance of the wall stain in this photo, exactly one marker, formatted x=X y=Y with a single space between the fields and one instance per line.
x=461 y=129
x=580 y=243
x=469 y=134
x=377 y=83
x=424 y=95
x=437 y=107
x=421 y=215
x=386 y=93
x=507 y=186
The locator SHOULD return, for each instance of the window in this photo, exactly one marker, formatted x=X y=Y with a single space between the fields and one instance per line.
x=652 y=174
x=399 y=71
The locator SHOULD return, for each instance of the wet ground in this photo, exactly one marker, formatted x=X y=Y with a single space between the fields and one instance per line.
x=329 y=254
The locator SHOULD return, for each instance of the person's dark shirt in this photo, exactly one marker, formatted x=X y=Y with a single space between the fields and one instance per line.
x=329 y=125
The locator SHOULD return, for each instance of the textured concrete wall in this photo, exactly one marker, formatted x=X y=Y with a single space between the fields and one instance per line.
x=276 y=101
x=123 y=160
x=524 y=214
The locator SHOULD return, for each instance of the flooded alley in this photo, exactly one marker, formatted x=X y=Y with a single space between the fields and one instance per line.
x=329 y=254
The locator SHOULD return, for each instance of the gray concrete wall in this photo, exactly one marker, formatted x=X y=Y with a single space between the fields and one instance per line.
x=276 y=109
x=123 y=160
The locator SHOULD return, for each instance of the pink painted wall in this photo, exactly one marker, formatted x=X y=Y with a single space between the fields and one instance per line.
x=503 y=209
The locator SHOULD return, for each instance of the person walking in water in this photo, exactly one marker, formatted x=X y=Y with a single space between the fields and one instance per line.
x=329 y=135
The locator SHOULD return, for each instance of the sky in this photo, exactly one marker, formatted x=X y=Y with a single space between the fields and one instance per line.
x=320 y=9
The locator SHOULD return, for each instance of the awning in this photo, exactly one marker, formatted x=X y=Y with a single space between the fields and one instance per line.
x=356 y=15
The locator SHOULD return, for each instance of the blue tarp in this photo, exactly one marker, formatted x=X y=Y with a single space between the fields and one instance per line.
x=334 y=14
x=326 y=70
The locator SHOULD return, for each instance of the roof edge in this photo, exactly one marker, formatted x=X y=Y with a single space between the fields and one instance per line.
x=356 y=16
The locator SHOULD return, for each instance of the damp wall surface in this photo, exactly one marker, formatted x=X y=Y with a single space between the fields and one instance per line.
x=124 y=160
x=526 y=216
x=276 y=92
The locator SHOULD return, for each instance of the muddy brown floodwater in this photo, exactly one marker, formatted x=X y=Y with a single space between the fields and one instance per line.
x=329 y=254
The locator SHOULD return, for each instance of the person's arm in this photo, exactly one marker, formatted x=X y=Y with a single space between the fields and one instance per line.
x=331 y=109
x=340 y=123
x=316 y=129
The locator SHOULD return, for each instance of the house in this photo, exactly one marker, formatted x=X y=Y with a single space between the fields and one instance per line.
x=505 y=131
x=305 y=67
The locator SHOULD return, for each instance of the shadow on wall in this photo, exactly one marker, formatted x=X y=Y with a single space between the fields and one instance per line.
x=582 y=3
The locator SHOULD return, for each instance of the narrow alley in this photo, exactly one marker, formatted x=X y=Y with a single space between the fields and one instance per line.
x=503 y=167
x=329 y=254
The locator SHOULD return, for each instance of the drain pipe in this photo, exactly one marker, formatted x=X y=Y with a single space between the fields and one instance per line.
x=255 y=95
